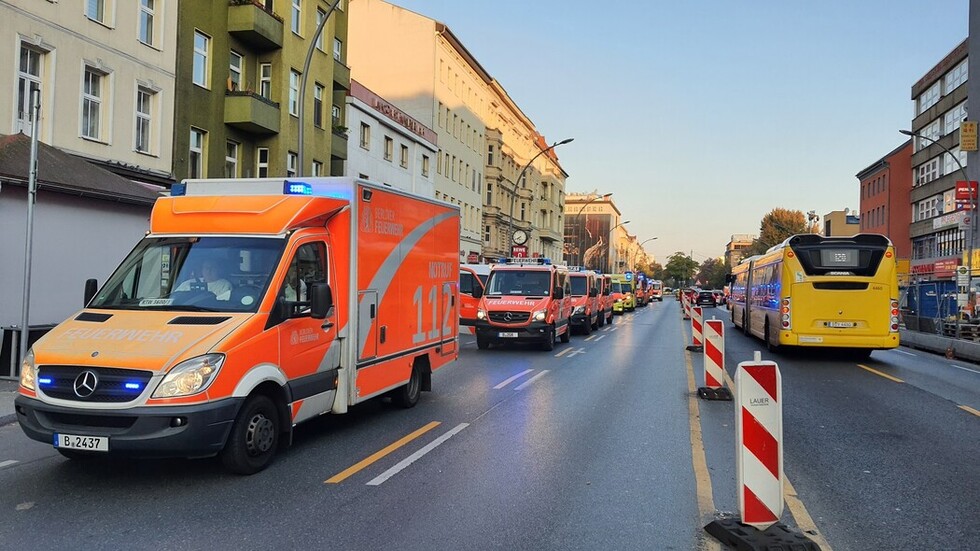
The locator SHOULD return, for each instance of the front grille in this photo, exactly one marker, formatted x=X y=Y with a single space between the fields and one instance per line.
x=90 y=422
x=58 y=381
x=509 y=317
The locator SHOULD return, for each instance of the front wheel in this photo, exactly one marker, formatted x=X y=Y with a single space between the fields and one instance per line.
x=482 y=342
x=254 y=437
x=565 y=337
x=408 y=395
x=549 y=340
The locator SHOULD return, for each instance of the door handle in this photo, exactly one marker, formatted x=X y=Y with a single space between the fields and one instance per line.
x=326 y=325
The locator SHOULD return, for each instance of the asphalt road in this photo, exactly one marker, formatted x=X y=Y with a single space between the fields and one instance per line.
x=594 y=445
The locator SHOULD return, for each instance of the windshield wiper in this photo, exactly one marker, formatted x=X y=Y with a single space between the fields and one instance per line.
x=182 y=308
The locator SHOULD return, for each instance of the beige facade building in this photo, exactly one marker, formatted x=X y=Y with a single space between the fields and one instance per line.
x=841 y=223
x=105 y=70
x=484 y=139
x=735 y=249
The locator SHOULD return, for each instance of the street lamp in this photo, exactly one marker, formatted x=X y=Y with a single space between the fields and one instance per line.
x=638 y=249
x=973 y=207
x=303 y=79
x=578 y=242
x=610 y=240
x=510 y=222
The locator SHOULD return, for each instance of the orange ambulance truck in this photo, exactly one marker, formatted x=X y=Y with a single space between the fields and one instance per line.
x=250 y=306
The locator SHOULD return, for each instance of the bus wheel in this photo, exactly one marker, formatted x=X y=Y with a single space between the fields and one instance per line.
x=769 y=345
x=565 y=337
x=549 y=340
x=745 y=325
x=408 y=395
x=254 y=437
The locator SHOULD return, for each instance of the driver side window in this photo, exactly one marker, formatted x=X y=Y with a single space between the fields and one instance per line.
x=308 y=266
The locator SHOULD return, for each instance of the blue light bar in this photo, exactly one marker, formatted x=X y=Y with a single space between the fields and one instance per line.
x=178 y=190
x=132 y=386
x=297 y=188
x=44 y=380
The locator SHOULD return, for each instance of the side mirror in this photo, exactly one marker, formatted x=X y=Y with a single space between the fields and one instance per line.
x=729 y=278
x=559 y=293
x=321 y=300
x=593 y=292
x=477 y=291
x=91 y=287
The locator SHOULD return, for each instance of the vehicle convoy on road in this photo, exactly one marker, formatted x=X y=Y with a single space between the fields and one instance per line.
x=623 y=288
x=526 y=300
x=655 y=290
x=250 y=306
x=585 y=299
x=811 y=290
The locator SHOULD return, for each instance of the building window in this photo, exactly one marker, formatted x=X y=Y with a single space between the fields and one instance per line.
x=297 y=11
x=202 y=47
x=365 y=136
x=957 y=76
x=316 y=169
x=28 y=78
x=490 y=155
x=486 y=235
x=265 y=80
x=953 y=118
x=929 y=134
x=231 y=159
x=927 y=172
x=335 y=115
x=928 y=98
x=235 y=63
x=338 y=49
x=95 y=10
x=144 y=119
x=294 y=93
x=489 y=195
x=320 y=14
x=262 y=162
x=292 y=159
x=318 y=105
x=949 y=163
x=404 y=156
x=146 y=22
x=92 y=104
x=389 y=148
x=425 y=166
x=195 y=160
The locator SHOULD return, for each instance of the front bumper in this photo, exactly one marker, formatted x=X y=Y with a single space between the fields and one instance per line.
x=535 y=331
x=145 y=431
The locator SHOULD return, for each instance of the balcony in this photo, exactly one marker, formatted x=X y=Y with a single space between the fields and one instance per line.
x=251 y=112
x=254 y=25
x=341 y=76
x=548 y=234
x=338 y=143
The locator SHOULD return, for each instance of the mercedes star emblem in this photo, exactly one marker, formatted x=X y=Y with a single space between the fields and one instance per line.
x=508 y=317
x=85 y=384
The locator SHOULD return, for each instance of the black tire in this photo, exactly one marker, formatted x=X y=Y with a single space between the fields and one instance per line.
x=745 y=324
x=549 y=341
x=408 y=394
x=567 y=335
x=482 y=342
x=598 y=316
x=254 y=437
x=600 y=319
x=769 y=345
x=612 y=317
x=586 y=327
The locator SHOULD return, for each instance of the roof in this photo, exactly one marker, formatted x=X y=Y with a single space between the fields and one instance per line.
x=64 y=173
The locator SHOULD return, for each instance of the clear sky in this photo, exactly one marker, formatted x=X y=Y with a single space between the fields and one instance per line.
x=703 y=115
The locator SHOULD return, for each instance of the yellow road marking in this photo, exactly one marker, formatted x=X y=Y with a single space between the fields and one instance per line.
x=879 y=373
x=702 y=478
x=971 y=410
x=367 y=461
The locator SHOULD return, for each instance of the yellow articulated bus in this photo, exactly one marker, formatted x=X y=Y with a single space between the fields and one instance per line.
x=816 y=291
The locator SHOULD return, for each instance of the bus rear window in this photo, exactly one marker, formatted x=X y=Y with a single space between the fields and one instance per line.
x=857 y=256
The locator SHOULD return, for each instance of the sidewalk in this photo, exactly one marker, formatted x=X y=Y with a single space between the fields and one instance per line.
x=8 y=390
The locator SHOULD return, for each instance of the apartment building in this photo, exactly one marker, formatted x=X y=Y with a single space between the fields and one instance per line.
x=885 y=204
x=735 y=248
x=105 y=70
x=239 y=75
x=484 y=140
x=938 y=232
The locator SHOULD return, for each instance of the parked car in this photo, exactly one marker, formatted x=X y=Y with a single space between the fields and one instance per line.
x=719 y=296
x=706 y=298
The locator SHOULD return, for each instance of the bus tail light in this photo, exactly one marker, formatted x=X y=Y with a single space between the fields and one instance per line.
x=894 y=318
x=784 y=312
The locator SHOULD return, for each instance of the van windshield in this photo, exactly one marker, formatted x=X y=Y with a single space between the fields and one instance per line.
x=617 y=287
x=580 y=286
x=208 y=274
x=519 y=282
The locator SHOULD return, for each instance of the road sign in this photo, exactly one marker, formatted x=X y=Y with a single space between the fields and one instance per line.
x=962 y=276
x=968 y=136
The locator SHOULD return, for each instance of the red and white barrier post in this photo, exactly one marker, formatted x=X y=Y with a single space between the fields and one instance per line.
x=685 y=306
x=697 y=337
x=714 y=362
x=759 y=441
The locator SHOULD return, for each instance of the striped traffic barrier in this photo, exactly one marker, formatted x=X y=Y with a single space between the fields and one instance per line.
x=759 y=442
x=714 y=362
x=685 y=306
x=697 y=336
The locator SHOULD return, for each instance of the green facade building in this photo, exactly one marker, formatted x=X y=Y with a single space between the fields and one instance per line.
x=239 y=67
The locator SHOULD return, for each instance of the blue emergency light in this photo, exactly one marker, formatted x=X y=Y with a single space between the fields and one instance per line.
x=297 y=188
x=178 y=189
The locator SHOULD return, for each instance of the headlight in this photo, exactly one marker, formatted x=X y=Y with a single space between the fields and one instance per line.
x=539 y=315
x=189 y=377
x=481 y=315
x=27 y=371
x=578 y=310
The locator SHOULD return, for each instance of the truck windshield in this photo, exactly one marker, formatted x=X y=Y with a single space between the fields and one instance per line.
x=208 y=274
x=617 y=287
x=580 y=286
x=519 y=282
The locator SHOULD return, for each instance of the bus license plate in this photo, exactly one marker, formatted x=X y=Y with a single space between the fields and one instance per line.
x=76 y=442
x=508 y=335
x=840 y=324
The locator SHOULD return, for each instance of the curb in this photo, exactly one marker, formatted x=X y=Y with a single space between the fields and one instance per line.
x=8 y=419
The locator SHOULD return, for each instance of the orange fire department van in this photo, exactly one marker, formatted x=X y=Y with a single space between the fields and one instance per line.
x=250 y=306
x=605 y=299
x=585 y=299
x=471 y=276
x=526 y=300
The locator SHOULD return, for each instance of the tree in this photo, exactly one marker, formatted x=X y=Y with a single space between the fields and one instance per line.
x=680 y=269
x=712 y=273
x=775 y=227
